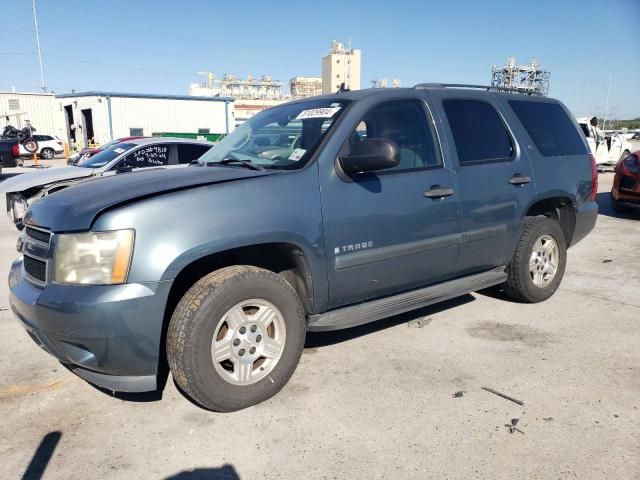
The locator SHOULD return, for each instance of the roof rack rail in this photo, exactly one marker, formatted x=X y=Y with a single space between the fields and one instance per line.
x=488 y=88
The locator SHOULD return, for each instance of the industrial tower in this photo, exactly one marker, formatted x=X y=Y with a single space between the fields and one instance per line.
x=527 y=78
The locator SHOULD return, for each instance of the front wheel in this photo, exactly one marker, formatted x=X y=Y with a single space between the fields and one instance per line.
x=538 y=264
x=236 y=337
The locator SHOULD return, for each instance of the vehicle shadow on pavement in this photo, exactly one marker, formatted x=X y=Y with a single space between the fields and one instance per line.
x=323 y=339
x=226 y=472
x=42 y=456
x=605 y=208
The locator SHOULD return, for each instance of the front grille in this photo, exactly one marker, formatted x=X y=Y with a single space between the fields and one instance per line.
x=38 y=235
x=627 y=183
x=36 y=269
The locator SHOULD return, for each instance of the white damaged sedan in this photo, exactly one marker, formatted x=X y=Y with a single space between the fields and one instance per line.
x=158 y=152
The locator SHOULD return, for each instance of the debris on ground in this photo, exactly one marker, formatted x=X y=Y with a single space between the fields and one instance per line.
x=607 y=261
x=547 y=419
x=459 y=394
x=495 y=392
x=3 y=309
x=512 y=426
x=419 y=323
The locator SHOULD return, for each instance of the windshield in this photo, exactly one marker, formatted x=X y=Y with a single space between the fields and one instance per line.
x=282 y=137
x=100 y=159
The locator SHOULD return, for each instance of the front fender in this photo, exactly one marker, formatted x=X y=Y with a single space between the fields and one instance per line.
x=175 y=229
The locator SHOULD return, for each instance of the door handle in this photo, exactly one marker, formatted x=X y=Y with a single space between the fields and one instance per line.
x=518 y=179
x=437 y=191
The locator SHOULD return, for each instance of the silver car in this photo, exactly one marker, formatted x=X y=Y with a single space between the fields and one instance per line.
x=157 y=152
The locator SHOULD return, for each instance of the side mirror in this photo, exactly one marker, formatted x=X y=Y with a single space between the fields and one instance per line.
x=371 y=154
x=124 y=167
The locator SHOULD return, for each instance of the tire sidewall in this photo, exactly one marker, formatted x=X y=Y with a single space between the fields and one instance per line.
x=218 y=301
x=534 y=293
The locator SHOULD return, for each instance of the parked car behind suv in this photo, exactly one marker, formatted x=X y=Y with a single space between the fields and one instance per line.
x=393 y=199
x=625 y=191
x=48 y=147
x=25 y=189
x=91 y=151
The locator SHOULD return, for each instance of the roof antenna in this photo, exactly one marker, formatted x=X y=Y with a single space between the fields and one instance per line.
x=343 y=88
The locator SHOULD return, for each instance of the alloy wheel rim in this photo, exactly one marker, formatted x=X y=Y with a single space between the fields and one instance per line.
x=248 y=342
x=543 y=263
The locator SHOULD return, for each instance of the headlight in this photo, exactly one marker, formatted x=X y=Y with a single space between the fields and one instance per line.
x=17 y=206
x=93 y=258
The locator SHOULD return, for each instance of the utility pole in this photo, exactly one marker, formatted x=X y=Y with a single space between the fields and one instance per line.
x=35 y=23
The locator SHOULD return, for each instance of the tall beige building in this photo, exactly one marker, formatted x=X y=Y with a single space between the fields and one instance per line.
x=340 y=65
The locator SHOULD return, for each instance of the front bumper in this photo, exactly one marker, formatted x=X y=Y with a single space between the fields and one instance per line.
x=109 y=335
x=626 y=190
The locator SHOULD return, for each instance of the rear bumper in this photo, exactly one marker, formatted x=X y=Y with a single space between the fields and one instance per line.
x=586 y=217
x=7 y=160
x=108 y=335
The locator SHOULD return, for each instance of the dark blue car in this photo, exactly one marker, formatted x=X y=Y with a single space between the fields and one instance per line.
x=390 y=200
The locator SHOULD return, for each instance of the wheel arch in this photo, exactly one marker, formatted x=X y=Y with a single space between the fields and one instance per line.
x=559 y=206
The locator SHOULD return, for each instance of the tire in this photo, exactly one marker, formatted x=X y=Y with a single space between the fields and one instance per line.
x=617 y=208
x=204 y=317
x=521 y=281
x=47 y=153
x=30 y=145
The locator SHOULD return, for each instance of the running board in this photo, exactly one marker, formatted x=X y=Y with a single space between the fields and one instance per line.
x=373 y=310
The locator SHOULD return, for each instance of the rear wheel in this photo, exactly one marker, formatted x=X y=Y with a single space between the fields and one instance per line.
x=538 y=264
x=30 y=145
x=236 y=337
x=47 y=153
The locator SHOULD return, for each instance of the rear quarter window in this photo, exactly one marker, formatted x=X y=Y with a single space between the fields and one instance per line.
x=550 y=128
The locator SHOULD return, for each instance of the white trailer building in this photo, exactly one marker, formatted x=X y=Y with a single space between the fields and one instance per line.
x=103 y=116
x=41 y=109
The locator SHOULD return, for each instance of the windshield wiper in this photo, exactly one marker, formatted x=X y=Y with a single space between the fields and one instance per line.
x=246 y=163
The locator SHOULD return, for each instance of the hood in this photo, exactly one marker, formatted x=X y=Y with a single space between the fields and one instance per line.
x=76 y=208
x=45 y=176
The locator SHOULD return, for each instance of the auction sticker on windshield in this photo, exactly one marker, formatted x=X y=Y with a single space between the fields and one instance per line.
x=119 y=150
x=297 y=154
x=318 y=113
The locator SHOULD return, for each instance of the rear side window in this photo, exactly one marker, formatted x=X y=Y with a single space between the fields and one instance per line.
x=155 y=155
x=478 y=132
x=188 y=152
x=549 y=127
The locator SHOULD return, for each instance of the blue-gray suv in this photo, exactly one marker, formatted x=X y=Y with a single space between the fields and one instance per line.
x=388 y=200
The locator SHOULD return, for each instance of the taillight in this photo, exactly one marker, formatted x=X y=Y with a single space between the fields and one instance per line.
x=15 y=150
x=594 y=178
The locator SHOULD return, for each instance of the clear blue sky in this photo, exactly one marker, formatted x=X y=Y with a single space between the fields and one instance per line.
x=158 y=46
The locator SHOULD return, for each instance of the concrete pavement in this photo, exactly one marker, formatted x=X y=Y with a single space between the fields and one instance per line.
x=395 y=399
